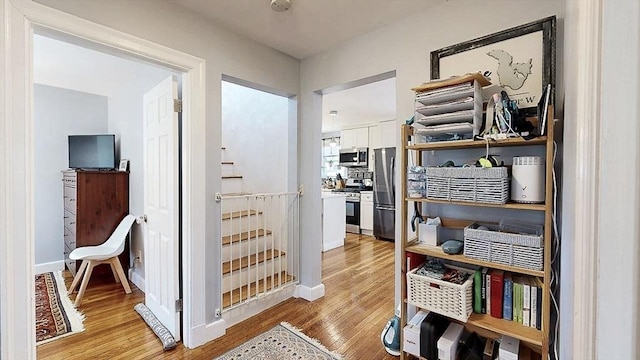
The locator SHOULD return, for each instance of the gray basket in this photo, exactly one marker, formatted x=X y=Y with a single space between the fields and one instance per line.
x=470 y=184
x=525 y=251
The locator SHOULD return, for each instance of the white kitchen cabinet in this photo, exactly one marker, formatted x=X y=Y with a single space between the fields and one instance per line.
x=334 y=215
x=366 y=212
x=354 y=138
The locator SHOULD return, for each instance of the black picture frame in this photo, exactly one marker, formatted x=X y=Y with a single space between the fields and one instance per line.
x=528 y=104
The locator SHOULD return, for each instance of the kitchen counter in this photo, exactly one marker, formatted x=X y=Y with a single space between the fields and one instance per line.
x=334 y=215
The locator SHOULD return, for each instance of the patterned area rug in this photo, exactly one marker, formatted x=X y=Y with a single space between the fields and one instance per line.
x=283 y=342
x=55 y=315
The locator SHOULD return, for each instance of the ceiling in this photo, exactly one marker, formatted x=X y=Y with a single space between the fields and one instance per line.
x=64 y=65
x=309 y=26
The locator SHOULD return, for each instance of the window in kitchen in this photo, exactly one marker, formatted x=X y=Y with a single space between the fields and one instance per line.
x=330 y=157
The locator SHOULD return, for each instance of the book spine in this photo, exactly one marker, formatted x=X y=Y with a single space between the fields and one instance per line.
x=507 y=311
x=517 y=302
x=483 y=291
x=539 y=305
x=497 y=287
x=488 y=291
x=534 y=307
x=477 y=292
x=526 y=303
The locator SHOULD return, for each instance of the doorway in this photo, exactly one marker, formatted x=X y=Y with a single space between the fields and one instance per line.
x=18 y=280
x=358 y=118
x=80 y=91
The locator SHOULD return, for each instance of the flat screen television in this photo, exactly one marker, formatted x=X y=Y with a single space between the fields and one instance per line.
x=92 y=151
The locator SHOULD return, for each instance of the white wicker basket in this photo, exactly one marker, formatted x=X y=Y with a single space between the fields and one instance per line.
x=470 y=184
x=440 y=296
x=525 y=251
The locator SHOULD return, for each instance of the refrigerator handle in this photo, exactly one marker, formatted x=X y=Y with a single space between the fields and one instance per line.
x=393 y=178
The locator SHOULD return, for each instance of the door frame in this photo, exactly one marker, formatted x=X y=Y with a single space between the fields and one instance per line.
x=18 y=19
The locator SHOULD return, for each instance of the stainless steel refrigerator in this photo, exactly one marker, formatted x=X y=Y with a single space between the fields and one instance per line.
x=384 y=194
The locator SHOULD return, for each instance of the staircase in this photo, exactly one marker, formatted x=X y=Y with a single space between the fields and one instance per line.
x=258 y=232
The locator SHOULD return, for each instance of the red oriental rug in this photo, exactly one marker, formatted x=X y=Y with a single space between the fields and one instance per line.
x=55 y=315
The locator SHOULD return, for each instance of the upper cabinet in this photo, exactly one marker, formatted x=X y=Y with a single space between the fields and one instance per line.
x=354 y=138
x=388 y=134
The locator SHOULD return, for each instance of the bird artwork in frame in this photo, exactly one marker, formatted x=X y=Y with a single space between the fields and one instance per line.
x=517 y=60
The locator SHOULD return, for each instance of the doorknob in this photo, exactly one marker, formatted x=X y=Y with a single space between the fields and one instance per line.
x=141 y=219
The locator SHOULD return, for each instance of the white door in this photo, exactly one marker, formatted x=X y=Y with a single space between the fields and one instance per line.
x=161 y=204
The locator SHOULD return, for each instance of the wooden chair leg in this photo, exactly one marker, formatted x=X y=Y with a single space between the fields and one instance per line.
x=115 y=262
x=76 y=279
x=85 y=282
x=113 y=270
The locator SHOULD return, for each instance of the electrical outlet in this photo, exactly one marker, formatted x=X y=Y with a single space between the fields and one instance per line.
x=218 y=313
x=138 y=256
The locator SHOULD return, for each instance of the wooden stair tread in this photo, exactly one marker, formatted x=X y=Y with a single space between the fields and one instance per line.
x=239 y=214
x=244 y=236
x=248 y=261
x=244 y=292
x=232 y=177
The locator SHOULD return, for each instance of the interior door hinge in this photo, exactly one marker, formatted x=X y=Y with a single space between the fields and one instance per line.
x=177 y=105
x=179 y=305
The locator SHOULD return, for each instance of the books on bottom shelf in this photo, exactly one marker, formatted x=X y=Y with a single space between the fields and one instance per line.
x=508 y=296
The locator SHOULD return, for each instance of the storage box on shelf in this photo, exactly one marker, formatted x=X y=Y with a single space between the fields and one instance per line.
x=473 y=184
x=440 y=296
x=492 y=245
x=485 y=324
x=450 y=109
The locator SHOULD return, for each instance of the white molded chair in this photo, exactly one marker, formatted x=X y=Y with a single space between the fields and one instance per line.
x=106 y=253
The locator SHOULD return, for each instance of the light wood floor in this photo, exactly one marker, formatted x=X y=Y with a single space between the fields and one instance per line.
x=358 y=302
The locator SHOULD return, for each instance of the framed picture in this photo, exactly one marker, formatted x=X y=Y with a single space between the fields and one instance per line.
x=124 y=164
x=520 y=60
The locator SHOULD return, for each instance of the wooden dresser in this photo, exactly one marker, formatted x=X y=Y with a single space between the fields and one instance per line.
x=94 y=204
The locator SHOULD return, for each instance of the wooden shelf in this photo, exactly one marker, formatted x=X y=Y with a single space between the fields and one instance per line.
x=520 y=206
x=436 y=251
x=466 y=144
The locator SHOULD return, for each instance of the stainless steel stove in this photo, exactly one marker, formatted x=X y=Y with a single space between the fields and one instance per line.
x=352 y=202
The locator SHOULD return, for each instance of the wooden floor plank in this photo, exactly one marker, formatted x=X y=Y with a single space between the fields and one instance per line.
x=358 y=302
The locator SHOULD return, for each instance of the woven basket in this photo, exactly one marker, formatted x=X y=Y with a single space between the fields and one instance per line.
x=442 y=297
x=525 y=251
x=469 y=184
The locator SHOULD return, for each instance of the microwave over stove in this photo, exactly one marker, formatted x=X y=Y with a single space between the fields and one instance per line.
x=353 y=157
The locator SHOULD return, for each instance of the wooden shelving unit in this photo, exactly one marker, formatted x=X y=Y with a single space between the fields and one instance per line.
x=484 y=324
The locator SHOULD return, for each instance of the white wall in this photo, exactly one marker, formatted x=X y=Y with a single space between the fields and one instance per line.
x=57 y=114
x=404 y=47
x=126 y=121
x=618 y=248
x=224 y=53
x=253 y=127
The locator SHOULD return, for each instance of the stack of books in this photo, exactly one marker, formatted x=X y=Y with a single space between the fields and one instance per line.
x=508 y=296
x=450 y=109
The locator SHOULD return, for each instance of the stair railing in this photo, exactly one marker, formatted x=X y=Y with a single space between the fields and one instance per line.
x=260 y=245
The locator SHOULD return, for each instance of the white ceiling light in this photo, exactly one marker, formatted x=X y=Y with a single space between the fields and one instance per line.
x=280 y=5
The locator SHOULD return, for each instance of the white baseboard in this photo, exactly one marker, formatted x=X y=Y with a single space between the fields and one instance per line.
x=332 y=245
x=205 y=333
x=366 y=232
x=136 y=279
x=309 y=294
x=48 y=267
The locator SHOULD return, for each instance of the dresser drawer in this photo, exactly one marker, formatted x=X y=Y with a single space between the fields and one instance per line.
x=69 y=179
x=69 y=221
x=69 y=239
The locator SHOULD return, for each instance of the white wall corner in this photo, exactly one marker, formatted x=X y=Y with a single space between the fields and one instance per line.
x=49 y=267
x=136 y=279
x=309 y=293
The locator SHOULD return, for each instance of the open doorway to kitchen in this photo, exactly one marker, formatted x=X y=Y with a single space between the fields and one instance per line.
x=358 y=122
